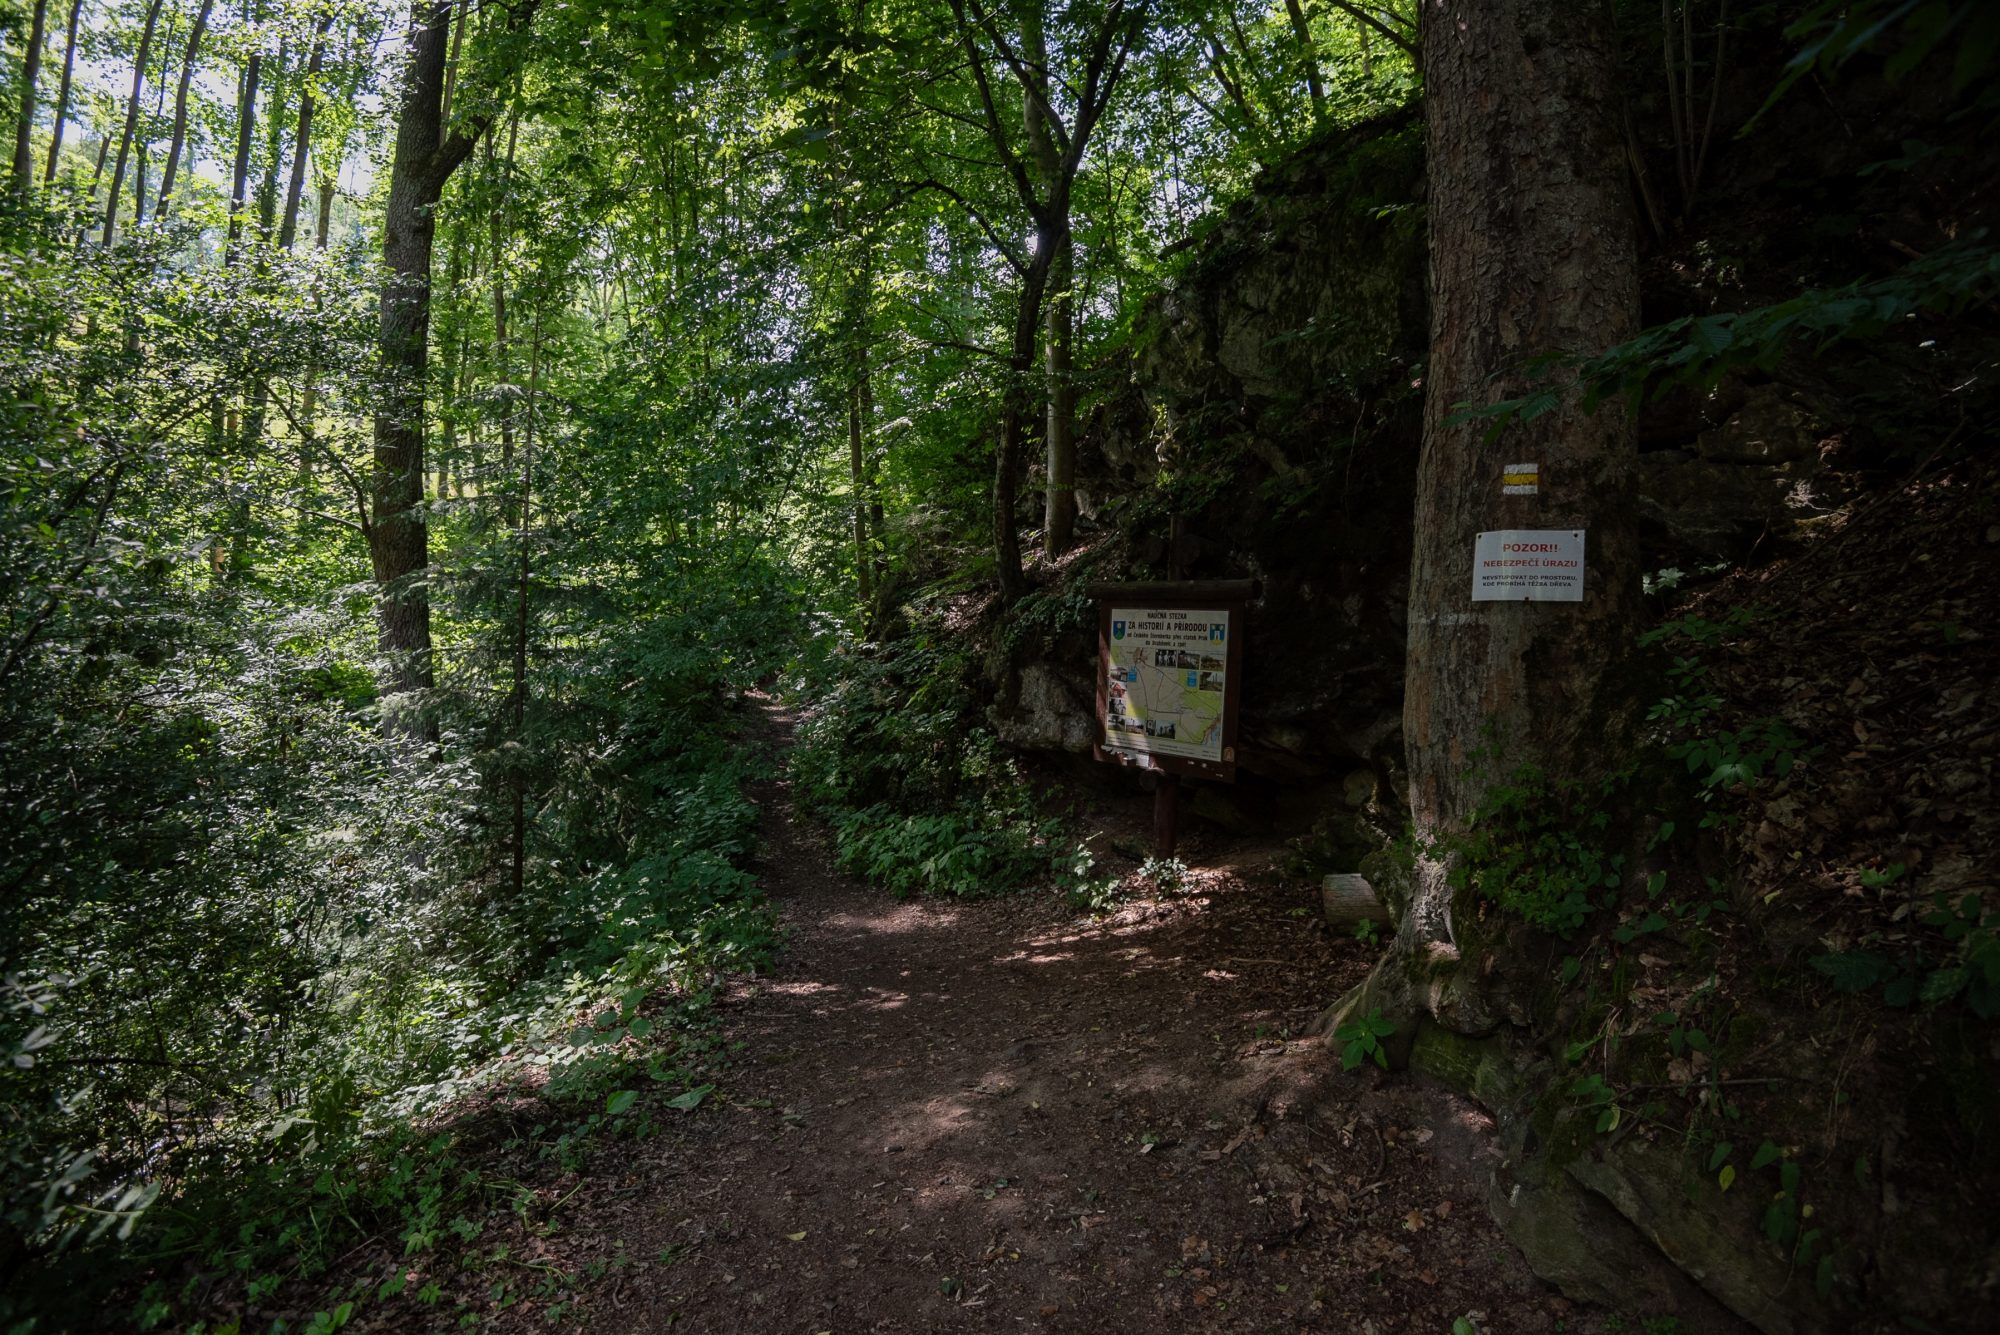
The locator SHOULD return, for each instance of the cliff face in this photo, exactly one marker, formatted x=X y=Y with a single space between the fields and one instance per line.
x=1269 y=414
x=1269 y=411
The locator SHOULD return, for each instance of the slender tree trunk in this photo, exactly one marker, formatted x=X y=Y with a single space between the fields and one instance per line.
x=309 y=394
x=451 y=63
x=62 y=91
x=1531 y=255
x=399 y=535
x=1059 y=508
x=857 y=473
x=1303 y=31
x=455 y=366
x=1059 y=431
x=179 y=142
x=324 y=224
x=521 y=610
x=246 y=133
x=497 y=224
x=1019 y=403
x=872 y=479
x=131 y=119
x=274 y=148
x=141 y=151
x=24 y=128
x=302 y=144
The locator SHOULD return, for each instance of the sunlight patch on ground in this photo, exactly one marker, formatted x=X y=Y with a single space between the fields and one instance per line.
x=1023 y=957
x=802 y=988
x=896 y=922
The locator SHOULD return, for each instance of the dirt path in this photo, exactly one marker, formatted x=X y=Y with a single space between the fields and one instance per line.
x=1003 y=1116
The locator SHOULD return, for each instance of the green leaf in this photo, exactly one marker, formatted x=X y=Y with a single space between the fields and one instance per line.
x=1854 y=970
x=621 y=1102
x=1823 y=1278
x=1943 y=984
x=1766 y=1154
x=691 y=1100
x=1720 y=1156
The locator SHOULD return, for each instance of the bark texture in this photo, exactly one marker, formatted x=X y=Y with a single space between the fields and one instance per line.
x=131 y=118
x=399 y=536
x=239 y=172
x=178 y=144
x=62 y=92
x=24 y=127
x=1531 y=253
x=288 y=230
x=427 y=152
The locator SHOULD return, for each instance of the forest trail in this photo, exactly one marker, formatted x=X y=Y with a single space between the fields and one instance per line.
x=1006 y=1116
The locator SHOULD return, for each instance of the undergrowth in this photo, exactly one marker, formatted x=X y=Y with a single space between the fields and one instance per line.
x=895 y=758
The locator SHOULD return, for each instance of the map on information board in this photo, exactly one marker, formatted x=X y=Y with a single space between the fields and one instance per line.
x=1166 y=675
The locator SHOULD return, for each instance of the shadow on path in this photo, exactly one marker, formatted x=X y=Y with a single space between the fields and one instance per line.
x=1001 y=1116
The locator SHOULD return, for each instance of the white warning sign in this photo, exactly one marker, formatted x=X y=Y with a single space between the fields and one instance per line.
x=1528 y=565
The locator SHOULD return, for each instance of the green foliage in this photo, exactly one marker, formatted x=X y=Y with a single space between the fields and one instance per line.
x=969 y=852
x=1082 y=888
x=1967 y=970
x=1167 y=876
x=1832 y=33
x=920 y=799
x=1361 y=1040
x=1697 y=351
x=1536 y=848
x=1724 y=761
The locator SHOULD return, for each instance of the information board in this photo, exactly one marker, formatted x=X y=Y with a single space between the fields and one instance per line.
x=1168 y=661
x=1528 y=565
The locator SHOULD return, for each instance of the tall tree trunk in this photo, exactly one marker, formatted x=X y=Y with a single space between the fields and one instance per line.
x=451 y=63
x=62 y=91
x=302 y=144
x=141 y=150
x=1059 y=431
x=455 y=371
x=857 y=474
x=1532 y=254
x=1018 y=405
x=274 y=147
x=1104 y=59
x=1059 y=507
x=24 y=128
x=497 y=225
x=309 y=394
x=131 y=119
x=525 y=574
x=239 y=172
x=324 y=223
x=399 y=535
x=1303 y=31
x=179 y=142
